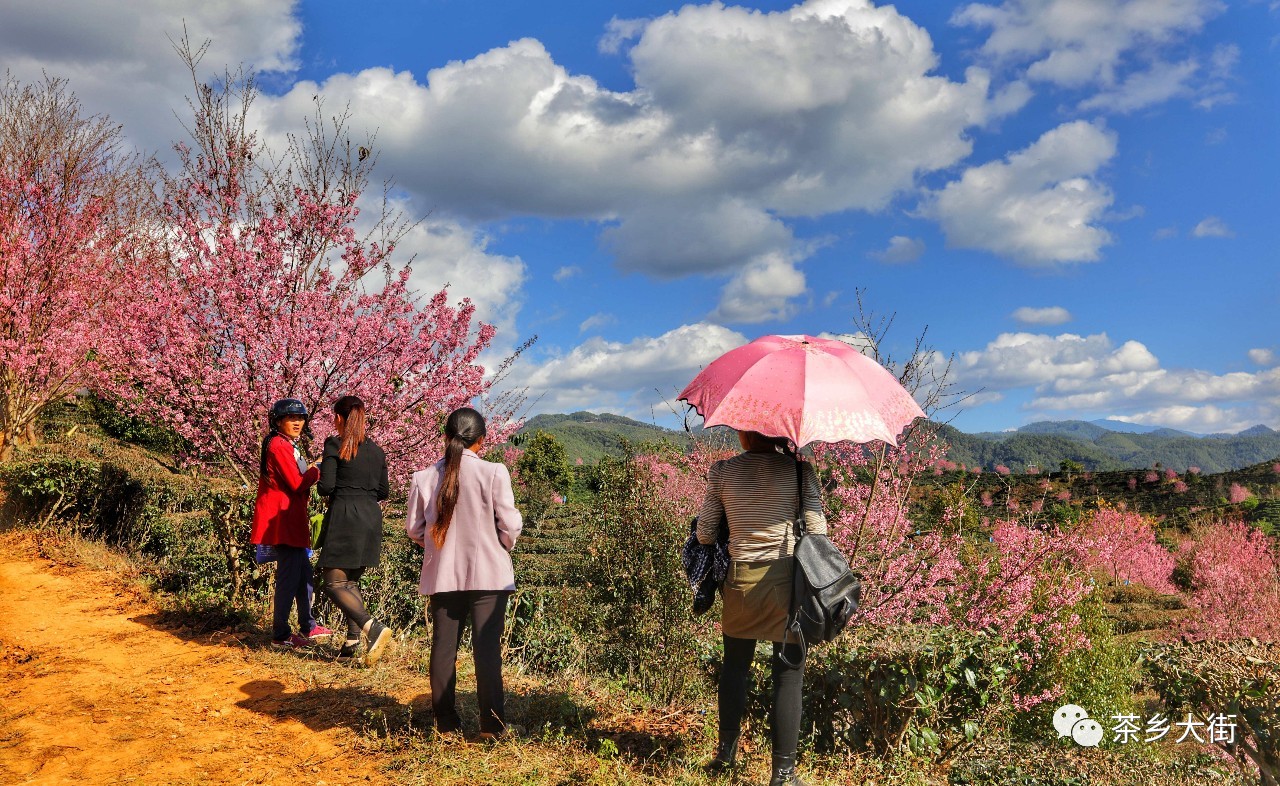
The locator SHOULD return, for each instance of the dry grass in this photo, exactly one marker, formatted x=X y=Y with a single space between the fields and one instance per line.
x=581 y=731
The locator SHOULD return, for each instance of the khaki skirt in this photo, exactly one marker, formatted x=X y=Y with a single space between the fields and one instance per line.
x=757 y=599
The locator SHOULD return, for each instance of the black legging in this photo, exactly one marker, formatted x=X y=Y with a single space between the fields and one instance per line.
x=788 y=685
x=449 y=612
x=342 y=586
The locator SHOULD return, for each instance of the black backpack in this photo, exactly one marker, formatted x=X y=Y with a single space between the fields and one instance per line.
x=824 y=593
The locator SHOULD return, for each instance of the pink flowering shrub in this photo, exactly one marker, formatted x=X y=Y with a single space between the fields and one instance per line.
x=1180 y=487
x=1235 y=583
x=1196 y=470
x=1021 y=588
x=1237 y=494
x=1002 y=469
x=906 y=575
x=1151 y=477
x=1025 y=591
x=1132 y=483
x=1170 y=474
x=1124 y=545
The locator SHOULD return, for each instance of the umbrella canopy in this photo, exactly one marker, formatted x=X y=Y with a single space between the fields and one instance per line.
x=804 y=388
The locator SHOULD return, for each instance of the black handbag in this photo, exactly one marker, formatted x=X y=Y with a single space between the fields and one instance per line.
x=824 y=591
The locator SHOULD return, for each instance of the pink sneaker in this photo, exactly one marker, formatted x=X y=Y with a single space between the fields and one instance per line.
x=319 y=632
x=294 y=642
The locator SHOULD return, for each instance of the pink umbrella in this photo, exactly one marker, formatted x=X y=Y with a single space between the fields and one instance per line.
x=804 y=388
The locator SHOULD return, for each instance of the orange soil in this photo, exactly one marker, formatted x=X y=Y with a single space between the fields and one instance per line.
x=95 y=689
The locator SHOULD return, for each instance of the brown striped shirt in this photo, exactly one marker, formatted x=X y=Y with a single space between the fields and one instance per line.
x=756 y=492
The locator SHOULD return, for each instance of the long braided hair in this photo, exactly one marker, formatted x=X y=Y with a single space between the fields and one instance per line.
x=462 y=429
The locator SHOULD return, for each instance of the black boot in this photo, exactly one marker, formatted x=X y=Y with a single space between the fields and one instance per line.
x=725 y=759
x=784 y=772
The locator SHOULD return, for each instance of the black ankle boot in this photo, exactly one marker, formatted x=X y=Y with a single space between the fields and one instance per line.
x=724 y=760
x=784 y=772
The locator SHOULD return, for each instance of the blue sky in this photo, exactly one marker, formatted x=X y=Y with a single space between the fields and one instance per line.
x=1076 y=197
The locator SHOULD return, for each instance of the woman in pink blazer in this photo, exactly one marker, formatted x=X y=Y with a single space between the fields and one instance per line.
x=462 y=512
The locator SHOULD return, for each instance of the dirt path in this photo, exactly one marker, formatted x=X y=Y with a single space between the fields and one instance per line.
x=95 y=690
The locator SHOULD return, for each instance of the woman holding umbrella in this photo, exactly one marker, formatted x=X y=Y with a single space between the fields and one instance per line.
x=802 y=389
x=756 y=493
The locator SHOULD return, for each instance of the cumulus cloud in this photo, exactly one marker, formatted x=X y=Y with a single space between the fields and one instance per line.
x=566 y=272
x=1207 y=419
x=119 y=59
x=1212 y=227
x=739 y=121
x=1038 y=207
x=761 y=292
x=1114 y=46
x=901 y=249
x=1090 y=374
x=628 y=376
x=1052 y=315
x=1264 y=357
x=445 y=252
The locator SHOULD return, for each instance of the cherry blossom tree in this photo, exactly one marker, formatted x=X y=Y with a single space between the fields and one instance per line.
x=1235 y=582
x=72 y=229
x=1124 y=545
x=269 y=292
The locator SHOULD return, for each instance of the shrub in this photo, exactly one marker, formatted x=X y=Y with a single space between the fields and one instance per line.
x=932 y=690
x=1234 y=583
x=1100 y=677
x=1238 y=678
x=635 y=604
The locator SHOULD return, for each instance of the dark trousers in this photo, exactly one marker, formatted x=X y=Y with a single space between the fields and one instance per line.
x=788 y=687
x=449 y=612
x=293 y=587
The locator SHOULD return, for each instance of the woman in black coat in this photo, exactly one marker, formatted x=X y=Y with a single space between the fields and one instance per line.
x=353 y=476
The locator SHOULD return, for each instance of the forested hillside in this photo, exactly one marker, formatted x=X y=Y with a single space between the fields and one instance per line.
x=590 y=436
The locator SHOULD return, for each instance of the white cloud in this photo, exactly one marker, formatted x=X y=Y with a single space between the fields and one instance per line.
x=1052 y=315
x=1038 y=206
x=566 y=272
x=619 y=32
x=901 y=249
x=1165 y=233
x=1207 y=419
x=1141 y=89
x=119 y=59
x=761 y=292
x=1089 y=374
x=1212 y=227
x=630 y=376
x=446 y=252
x=1264 y=357
x=597 y=321
x=1104 y=44
x=1020 y=359
x=739 y=114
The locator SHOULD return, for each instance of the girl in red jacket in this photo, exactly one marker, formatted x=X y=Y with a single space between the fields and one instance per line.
x=280 y=519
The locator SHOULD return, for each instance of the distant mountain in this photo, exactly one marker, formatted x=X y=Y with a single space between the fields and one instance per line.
x=1046 y=444
x=590 y=436
x=1124 y=427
